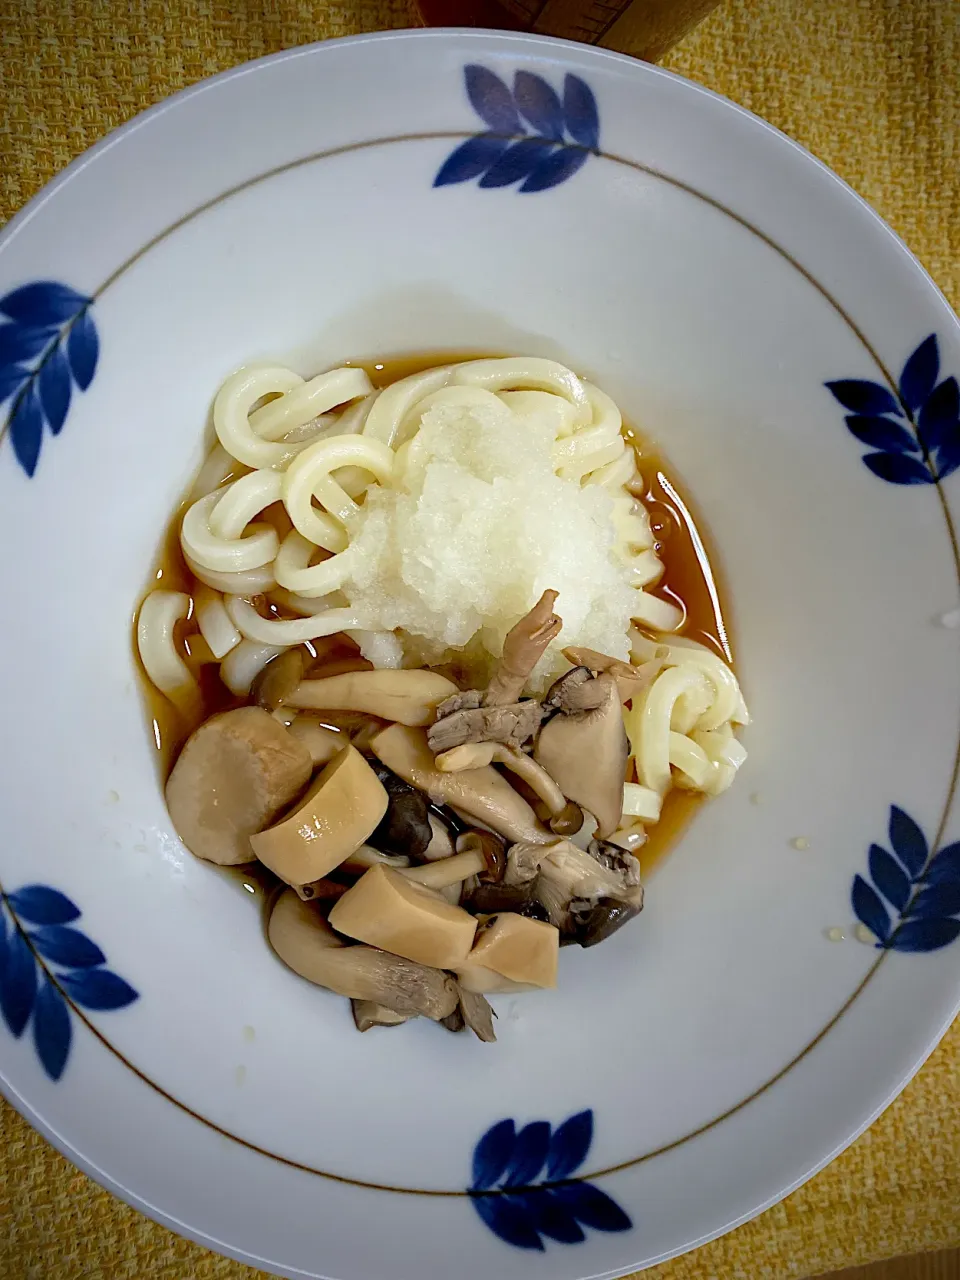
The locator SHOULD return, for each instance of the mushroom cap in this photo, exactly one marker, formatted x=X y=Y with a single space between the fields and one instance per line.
x=405 y=827
x=492 y=849
x=278 y=680
x=236 y=772
x=586 y=751
x=597 y=921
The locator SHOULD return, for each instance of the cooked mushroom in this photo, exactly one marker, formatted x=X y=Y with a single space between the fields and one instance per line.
x=273 y=685
x=455 y=1021
x=474 y=1012
x=304 y=941
x=405 y=827
x=631 y=680
x=405 y=697
x=586 y=751
x=386 y=910
x=489 y=899
x=480 y=793
x=479 y=853
x=523 y=647
x=320 y=891
x=338 y=813
x=323 y=744
x=441 y=841
x=565 y=817
x=367 y=1014
x=576 y=690
x=367 y=856
x=234 y=775
x=477 y=1015
x=563 y=875
x=520 y=949
x=593 y=922
x=513 y=724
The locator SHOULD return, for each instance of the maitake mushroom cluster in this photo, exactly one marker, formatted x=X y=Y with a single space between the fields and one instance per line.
x=424 y=831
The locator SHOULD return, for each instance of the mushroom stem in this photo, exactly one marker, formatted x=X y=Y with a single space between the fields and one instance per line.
x=367 y=856
x=437 y=875
x=305 y=942
x=405 y=697
x=566 y=817
x=523 y=647
x=323 y=744
x=481 y=793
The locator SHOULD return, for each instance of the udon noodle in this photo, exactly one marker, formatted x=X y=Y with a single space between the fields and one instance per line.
x=434 y=522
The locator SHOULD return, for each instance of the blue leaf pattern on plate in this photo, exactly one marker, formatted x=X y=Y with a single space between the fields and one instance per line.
x=52 y=1031
x=492 y=100
x=18 y=984
x=915 y=431
x=922 y=887
x=566 y=131
x=97 y=989
x=26 y=427
x=66 y=946
x=519 y=1209
x=31 y=990
x=580 y=113
x=539 y=105
x=39 y=905
x=529 y=1153
x=51 y=324
x=44 y=304
x=472 y=158
x=569 y=1146
x=517 y=162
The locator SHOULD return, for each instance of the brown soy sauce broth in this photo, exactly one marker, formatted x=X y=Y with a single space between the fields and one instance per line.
x=690 y=580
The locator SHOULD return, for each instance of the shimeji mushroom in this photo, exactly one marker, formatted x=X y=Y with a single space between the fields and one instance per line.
x=478 y=853
x=367 y=856
x=322 y=743
x=482 y=794
x=234 y=775
x=278 y=680
x=566 y=818
x=584 y=748
x=405 y=697
x=306 y=943
x=338 y=813
x=405 y=827
x=387 y=910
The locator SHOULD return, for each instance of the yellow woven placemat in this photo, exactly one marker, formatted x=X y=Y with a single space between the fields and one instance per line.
x=872 y=87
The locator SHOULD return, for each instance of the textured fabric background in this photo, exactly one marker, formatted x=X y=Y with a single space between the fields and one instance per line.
x=870 y=86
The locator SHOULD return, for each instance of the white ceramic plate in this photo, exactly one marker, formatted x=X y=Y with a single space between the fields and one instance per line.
x=751 y=314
